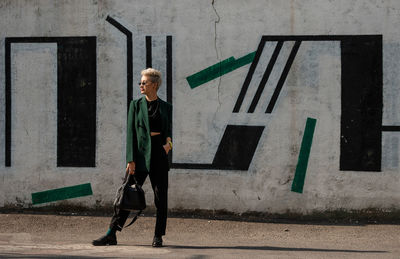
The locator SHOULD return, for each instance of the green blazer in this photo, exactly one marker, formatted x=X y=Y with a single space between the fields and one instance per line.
x=138 y=141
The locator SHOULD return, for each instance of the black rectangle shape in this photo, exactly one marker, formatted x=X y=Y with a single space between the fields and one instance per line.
x=390 y=128
x=76 y=136
x=169 y=69
x=237 y=147
x=192 y=166
x=362 y=37
x=129 y=68
x=149 y=55
x=361 y=119
x=8 y=103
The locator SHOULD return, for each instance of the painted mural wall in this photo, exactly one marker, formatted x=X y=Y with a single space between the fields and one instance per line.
x=278 y=105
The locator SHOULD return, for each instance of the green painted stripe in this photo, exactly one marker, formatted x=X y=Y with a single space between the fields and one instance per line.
x=219 y=69
x=62 y=193
x=301 y=169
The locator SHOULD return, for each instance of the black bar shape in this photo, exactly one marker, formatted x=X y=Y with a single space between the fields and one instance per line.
x=249 y=76
x=129 y=68
x=362 y=102
x=149 y=57
x=129 y=58
x=169 y=81
x=169 y=69
x=390 y=128
x=193 y=166
x=119 y=26
x=317 y=37
x=282 y=79
x=265 y=77
x=8 y=103
x=76 y=79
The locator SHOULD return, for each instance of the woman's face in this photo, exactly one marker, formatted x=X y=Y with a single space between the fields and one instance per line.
x=147 y=87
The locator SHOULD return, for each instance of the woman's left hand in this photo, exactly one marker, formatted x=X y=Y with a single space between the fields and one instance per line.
x=167 y=148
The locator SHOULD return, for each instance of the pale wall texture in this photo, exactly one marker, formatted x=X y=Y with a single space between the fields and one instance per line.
x=204 y=33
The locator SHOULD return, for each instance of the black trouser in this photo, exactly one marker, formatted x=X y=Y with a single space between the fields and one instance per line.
x=159 y=182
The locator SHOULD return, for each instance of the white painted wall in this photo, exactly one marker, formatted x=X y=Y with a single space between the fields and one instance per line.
x=203 y=34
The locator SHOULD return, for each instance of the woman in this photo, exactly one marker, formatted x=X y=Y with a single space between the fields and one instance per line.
x=149 y=132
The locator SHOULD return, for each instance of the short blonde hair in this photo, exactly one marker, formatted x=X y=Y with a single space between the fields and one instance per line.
x=154 y=75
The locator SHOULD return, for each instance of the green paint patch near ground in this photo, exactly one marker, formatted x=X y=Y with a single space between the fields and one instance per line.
x=62 y=193
x=219 y=69
x=301 y=169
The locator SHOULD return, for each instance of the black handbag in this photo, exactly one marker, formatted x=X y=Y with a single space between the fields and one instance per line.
x=130 y=197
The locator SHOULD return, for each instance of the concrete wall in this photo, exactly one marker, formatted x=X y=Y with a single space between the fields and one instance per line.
x=336 y=62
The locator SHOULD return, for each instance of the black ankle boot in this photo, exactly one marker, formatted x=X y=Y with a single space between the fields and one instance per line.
x=105 y=240
x=157 y=241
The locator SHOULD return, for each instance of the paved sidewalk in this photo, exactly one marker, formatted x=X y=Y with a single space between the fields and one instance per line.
x=55 y=236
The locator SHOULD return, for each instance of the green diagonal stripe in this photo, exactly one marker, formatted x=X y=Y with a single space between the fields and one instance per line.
x=62 y=193
x=301 y=169
x=219 y=69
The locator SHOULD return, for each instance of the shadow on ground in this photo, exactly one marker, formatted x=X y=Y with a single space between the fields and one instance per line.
x=41 y=256
x=276 y=248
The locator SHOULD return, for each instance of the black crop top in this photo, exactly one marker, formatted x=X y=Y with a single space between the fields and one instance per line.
x=153 y=109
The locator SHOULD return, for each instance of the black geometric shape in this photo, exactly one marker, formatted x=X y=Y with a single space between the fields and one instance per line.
x=129 y=58
x=76 y=129
x=169 y=69
x=237 y=147
x=169 y=81
x=390 y=128
x=282 y=79
x=235 y=151
x=76 y=98
x=8 y=103
x=192 y=166
x=362 y=102
x=249 y=76
x=149 y=55
x=265 y=77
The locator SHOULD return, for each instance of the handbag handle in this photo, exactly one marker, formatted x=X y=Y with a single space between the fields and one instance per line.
x=128 y=178
x=126 y=181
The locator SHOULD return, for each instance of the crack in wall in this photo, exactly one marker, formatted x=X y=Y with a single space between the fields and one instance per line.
x=215 y=46
x=215 y=28
x=216 y=21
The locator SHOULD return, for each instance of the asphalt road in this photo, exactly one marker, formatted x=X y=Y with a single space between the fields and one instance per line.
x=57 y=236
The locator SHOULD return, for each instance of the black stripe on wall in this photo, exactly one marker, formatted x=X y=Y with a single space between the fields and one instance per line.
x=361 y=120
x=169 y=81
x=265 y=77
x=169 y=69
x=249 y=76
x=149 y=62
x=390 y=128
x=129 y=58
x=76 y=103
x=8 y=103
x=193 y=166
x=283 y=77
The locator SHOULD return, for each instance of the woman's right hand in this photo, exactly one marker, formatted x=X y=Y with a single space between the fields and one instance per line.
x=130 y=168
